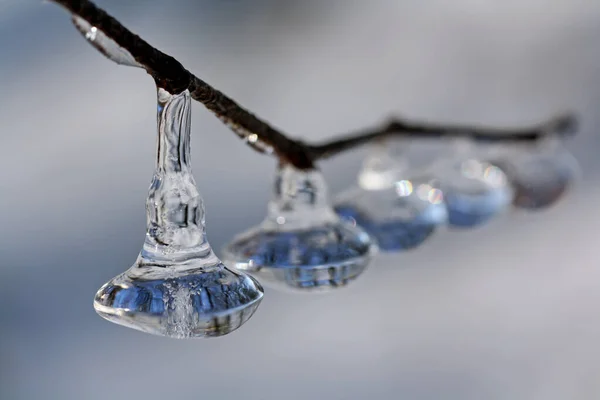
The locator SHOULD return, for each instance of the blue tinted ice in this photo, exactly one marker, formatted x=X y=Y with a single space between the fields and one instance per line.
x=474 y=192
x=177 y=287
x=302 y=244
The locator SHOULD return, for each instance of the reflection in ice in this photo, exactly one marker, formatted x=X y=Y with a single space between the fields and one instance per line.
x=397 y=207
x=540 y=175
x=302 y=244
x=198 y=298
x=177 y=287
x=474 y=191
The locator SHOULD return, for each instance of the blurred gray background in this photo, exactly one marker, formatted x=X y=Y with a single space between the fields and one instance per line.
x=508 y=311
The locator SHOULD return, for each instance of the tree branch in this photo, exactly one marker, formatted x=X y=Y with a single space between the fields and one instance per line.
x=170 y=75
x=562 y=125
x=119 y=44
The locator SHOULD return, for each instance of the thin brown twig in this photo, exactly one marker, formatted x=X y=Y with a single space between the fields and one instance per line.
x=171 y=75
x=561 y=125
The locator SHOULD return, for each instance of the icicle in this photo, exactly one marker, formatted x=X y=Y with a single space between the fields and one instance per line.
x=177 y=287
x=396 y=204
x=540 y=173
x=302 y=244
x=474 y=190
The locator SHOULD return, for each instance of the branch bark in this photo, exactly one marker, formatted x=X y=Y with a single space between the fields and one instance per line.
x=561 y=125
x=172 y=76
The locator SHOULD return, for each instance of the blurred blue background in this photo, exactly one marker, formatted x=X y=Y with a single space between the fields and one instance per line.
x=506 y=311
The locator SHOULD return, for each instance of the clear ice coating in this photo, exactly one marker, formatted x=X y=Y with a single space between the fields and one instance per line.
x=474 y=190
x=177 y=286
x=302 y=244
x=398 y=207
x=540 y=174
x=103 y=43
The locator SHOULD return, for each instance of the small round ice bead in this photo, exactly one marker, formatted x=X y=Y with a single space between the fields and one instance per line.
x=302 y=244
x=400 y=216
x=474 y=191
x=540 y=178
x=398 y=205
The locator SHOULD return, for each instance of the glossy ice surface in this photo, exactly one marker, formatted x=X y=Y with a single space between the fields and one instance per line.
x=103 y=43
x=177 y=287
x=391 y=235
x=180 y=301
x=399 y=217
x=302 y=244
x=474 y=192
x=398 y=206
x=328 y=255
x=539 y=178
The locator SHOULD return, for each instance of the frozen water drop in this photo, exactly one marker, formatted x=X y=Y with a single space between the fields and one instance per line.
x=302 y=244
x=474 y=191
x=177 y=287
x=397 y=206
x=103 y=43
x=540 y=174
x=144 y=300
x=539 y=183
x=471 y=198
